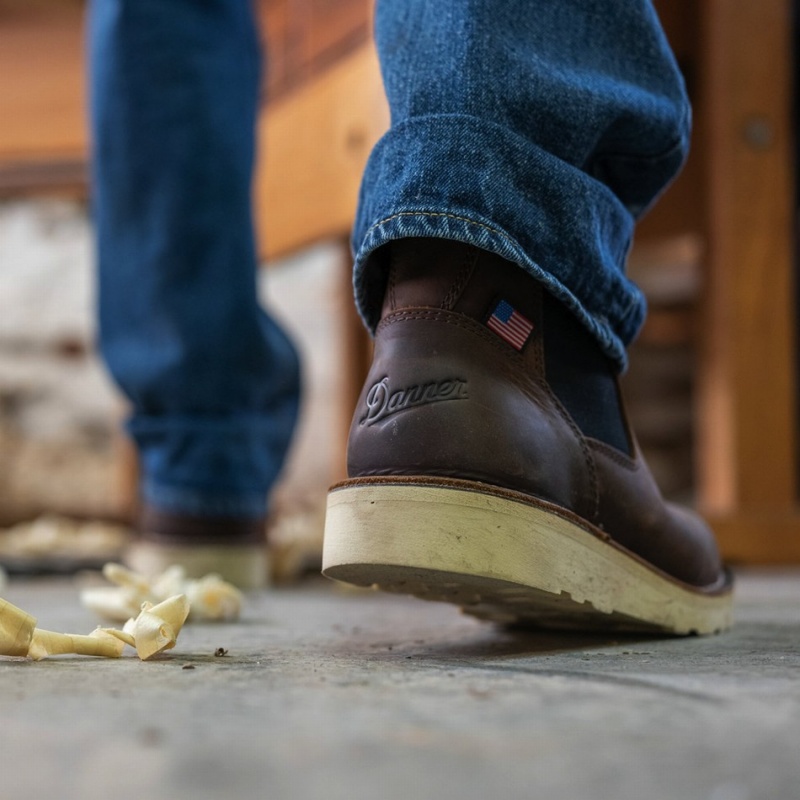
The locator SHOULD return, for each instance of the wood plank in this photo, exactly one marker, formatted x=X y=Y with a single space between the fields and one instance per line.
x=42 y=94
x=316 y=144
x=43 y=104
x=64 y=176
x=304 y=37
x=681 y=209
x=747 y=375
x=759 y=537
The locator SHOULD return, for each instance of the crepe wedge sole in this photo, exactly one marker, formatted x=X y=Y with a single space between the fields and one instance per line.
x=244 y=566
x=505 y=557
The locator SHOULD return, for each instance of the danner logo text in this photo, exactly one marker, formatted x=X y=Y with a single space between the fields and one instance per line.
x=382 y=402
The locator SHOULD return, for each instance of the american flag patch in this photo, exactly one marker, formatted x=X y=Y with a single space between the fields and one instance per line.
x=510 y=325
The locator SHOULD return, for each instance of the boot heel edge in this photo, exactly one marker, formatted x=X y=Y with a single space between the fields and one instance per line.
x=503 y=560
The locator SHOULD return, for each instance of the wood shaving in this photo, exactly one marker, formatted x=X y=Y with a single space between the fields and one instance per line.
x=153 y=631
x=53 y=536
x=210 y=597
x=157 y=627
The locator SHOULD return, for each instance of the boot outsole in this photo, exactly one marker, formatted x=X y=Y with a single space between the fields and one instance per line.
x=504 y=557
x=246 y=567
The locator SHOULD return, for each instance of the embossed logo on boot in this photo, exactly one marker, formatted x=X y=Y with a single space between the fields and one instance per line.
x=382 y=401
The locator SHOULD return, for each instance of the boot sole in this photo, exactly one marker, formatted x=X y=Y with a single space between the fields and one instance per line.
x=505 y=557
x=246 y=567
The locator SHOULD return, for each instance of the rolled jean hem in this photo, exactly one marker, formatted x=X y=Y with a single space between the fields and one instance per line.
x=460 y=228
x=484 y=185
x=211 y=465
x=199 y=502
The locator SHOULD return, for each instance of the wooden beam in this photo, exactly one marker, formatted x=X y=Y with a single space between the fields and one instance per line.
x=681 y=209
x=43 y=134
x=316 y=143
x=42 y=94
x=759 y=537
x=69 y=176
x=748 y=430
x=304 y=37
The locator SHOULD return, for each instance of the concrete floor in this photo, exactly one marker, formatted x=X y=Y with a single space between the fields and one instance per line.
x=325 y=694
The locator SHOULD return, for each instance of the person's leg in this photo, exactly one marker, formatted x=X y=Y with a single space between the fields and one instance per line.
x=489 y=457
x=212 y=380
x=538 y=132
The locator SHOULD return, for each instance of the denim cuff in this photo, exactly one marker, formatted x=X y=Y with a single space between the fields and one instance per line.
x=463 y=178
x=207 y=466
x=200 y=502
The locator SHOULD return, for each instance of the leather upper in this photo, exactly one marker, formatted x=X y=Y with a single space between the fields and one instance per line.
x=447 y=397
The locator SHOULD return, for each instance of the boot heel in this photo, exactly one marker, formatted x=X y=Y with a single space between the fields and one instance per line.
x=504 y=557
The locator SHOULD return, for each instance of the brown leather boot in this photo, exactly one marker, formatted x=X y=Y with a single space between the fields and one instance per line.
x=471 y=483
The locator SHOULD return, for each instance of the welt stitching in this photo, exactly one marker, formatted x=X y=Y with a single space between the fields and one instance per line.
x=584 y=445
x=392 y=275
x=444 y=316
x=464 y=274
x=538 y=343
x=541 y=371
x=614 y=455
x=392 y=301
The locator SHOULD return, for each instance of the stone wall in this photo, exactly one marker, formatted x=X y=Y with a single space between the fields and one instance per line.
x=57 y=409
x=60 y=446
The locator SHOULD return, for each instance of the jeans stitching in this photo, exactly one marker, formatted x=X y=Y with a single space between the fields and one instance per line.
x=514 y=251
x=456 y=217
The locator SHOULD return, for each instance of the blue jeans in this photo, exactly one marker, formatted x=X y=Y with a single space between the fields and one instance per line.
x=537 y=130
